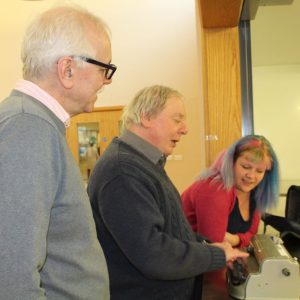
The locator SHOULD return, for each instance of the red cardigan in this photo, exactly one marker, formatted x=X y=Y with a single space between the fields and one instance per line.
x=207 y=207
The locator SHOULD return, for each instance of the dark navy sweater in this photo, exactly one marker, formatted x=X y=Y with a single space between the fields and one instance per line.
x=150 y=249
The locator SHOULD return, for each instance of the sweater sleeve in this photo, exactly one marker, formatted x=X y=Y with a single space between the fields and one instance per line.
x=207 y=208
x=246 y=237
x=130 y=211
x=26 y=199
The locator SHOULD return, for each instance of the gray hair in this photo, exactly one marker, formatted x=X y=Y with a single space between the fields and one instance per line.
x=55 y=33
x=147 y=103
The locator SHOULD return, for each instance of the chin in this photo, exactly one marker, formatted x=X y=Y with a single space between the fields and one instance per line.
x=89 y=108
x=247 y=190
x=167 y=153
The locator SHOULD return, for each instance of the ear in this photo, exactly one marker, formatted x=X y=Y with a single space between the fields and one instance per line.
x=146 y=121
x=65 y=71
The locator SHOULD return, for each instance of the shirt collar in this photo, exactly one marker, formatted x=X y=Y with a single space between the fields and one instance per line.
x=31 y=89
x=140 y=144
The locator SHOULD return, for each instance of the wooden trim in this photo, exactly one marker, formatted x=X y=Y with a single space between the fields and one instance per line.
x=222 y=90
x=220 y=13
x=221 y=74
x=108 y=108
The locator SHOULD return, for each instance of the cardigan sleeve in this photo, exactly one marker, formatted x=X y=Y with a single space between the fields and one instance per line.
x=207 y=207
x=246 y=237
x=188 y=205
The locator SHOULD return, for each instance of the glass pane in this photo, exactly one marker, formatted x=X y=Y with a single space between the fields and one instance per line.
x=88 y=147
x=276 y=94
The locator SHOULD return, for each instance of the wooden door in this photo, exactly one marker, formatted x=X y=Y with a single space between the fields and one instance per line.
x=98 y=127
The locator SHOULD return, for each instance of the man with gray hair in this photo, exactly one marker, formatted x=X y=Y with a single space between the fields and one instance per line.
x=151 y=251
x=48 y=241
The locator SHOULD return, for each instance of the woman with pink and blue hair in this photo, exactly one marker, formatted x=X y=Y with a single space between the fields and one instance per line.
x=226 y=202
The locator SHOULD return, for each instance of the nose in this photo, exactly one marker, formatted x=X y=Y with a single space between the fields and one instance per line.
x=250 y=174
x=184 y=129
x=107 y=81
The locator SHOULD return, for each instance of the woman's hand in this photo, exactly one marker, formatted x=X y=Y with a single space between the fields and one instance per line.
x=233 y=239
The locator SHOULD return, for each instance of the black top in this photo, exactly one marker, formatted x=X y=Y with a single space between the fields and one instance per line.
x=236 y=223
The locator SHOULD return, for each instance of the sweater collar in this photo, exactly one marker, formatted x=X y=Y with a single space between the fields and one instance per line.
x=31 y=89
x=141 y=145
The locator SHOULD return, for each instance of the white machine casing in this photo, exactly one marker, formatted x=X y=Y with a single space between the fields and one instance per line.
x=272 y=274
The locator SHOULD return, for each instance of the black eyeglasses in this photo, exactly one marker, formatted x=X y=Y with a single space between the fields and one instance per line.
x=110 y=69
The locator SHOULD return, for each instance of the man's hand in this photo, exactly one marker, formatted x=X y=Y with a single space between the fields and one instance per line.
x=231 y=254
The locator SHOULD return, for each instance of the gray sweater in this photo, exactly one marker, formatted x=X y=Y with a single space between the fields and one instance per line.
x=150 y=249
x=48 y=242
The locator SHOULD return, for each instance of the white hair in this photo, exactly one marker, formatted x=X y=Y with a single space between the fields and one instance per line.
x=55 y=33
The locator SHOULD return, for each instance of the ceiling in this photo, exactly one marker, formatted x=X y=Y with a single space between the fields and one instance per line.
x=275 y=35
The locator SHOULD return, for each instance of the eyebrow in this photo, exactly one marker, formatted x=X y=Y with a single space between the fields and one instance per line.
x=182 y=116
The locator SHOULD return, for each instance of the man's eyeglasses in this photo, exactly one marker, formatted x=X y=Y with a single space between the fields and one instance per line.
x=110 y=69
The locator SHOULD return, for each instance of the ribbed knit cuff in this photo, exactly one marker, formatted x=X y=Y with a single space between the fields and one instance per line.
x=218 y=259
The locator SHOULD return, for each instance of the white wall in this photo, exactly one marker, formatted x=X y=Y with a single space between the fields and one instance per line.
x=276 y=96
x=153 y=42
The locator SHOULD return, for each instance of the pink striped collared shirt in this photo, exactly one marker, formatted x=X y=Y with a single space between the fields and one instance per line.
x=31 y=89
